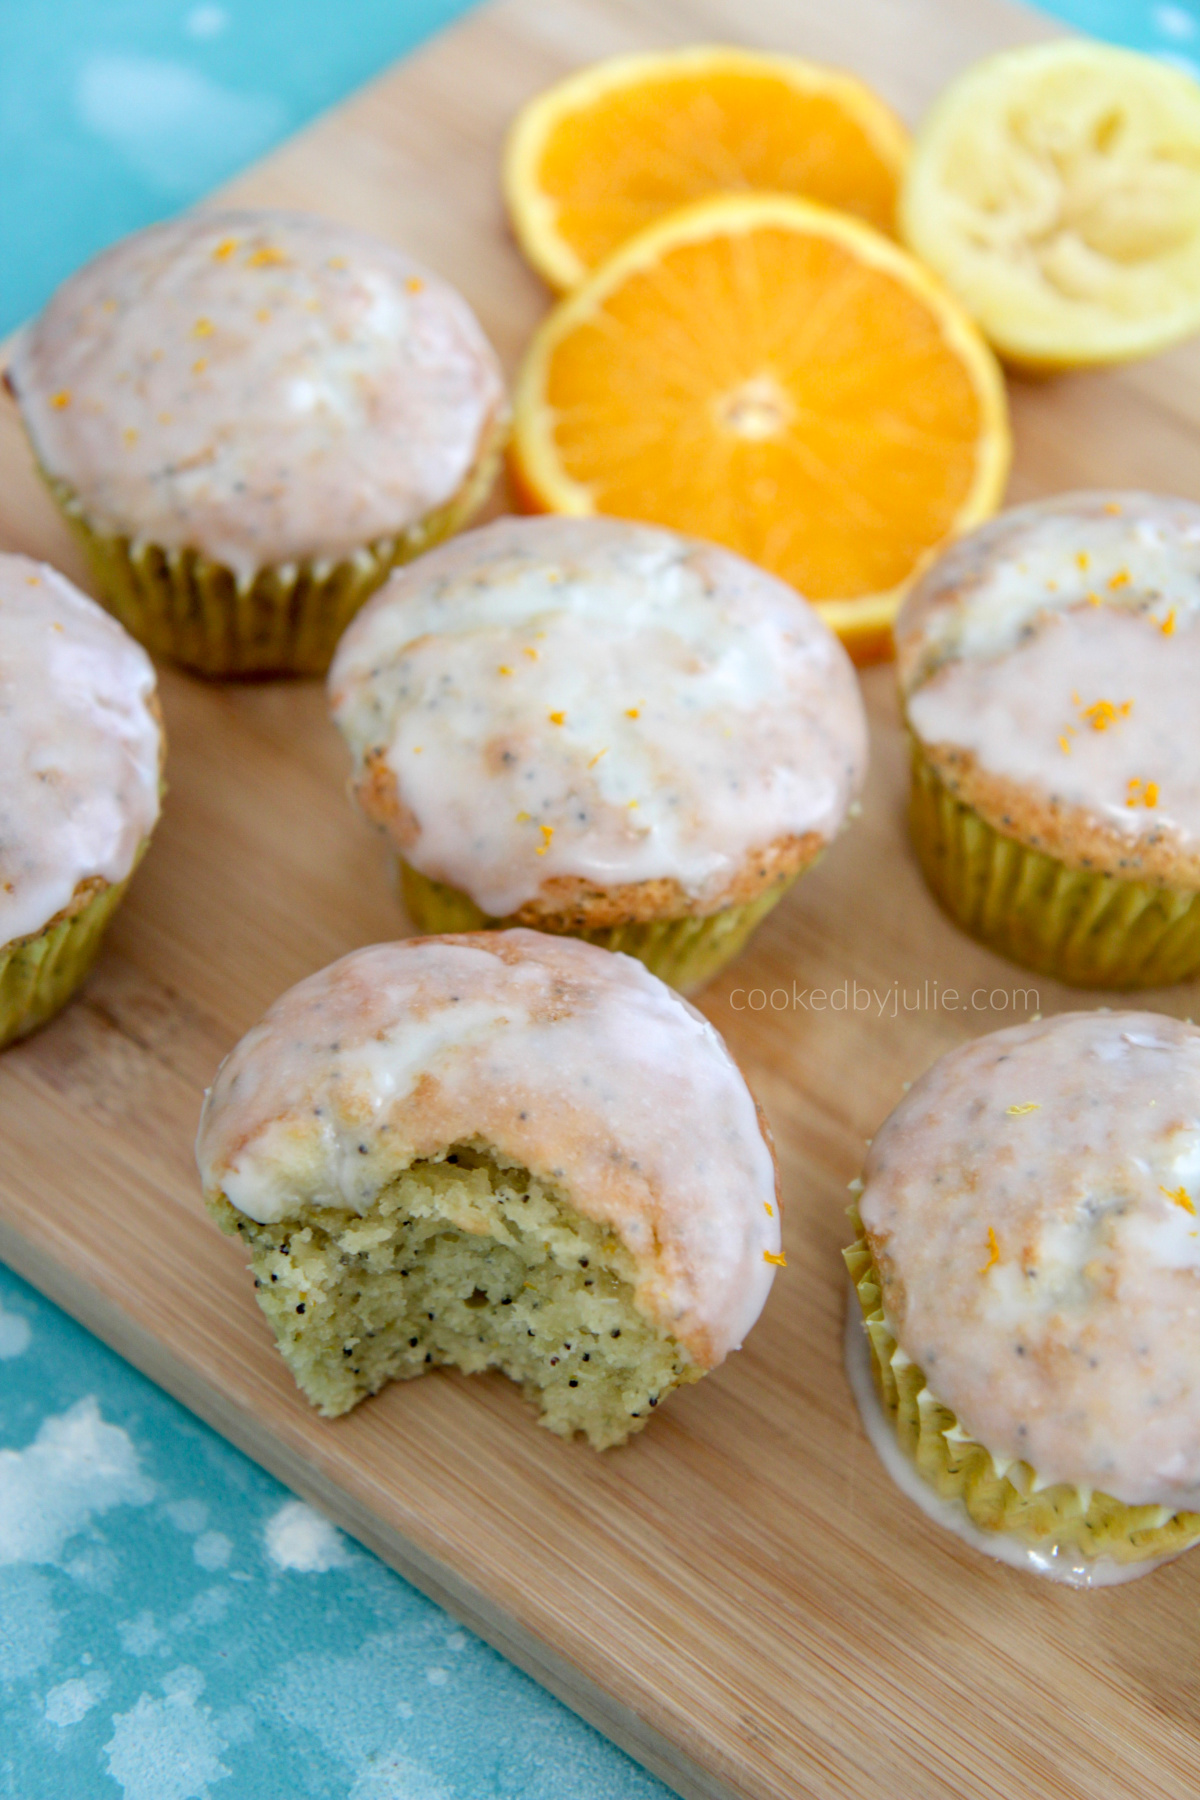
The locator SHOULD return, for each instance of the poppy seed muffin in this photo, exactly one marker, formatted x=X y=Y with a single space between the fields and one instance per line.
x=81 y=749
x=599 y=728
x=1029 y=1272
x=1049 y=664
x=501 y=1151
x=248 y=418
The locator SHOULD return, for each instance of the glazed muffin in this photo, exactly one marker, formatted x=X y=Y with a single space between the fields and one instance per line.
x=81 y=751
x=1049 y=665
x=1027 y=1269
x=602 y=729
x=499 y=1151
x=248 y=418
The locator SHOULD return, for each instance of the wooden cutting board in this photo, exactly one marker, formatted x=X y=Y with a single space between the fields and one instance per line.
x=740 y=1597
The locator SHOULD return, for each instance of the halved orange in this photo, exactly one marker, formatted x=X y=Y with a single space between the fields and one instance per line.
x=780 y=378
x=603 y=154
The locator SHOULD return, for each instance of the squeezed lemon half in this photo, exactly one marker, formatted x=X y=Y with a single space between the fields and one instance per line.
x=1056 y=191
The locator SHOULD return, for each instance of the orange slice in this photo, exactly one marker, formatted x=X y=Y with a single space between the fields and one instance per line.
x=616 y=146
x=780 y=378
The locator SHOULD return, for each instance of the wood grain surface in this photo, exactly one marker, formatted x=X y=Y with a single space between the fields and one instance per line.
x=740 y=1597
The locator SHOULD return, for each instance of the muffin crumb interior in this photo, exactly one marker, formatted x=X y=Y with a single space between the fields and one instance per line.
x=464 y=1260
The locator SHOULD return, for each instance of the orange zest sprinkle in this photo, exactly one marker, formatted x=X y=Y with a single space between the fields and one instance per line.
x=768 y=1209
x=523 y=818
x=266 y=258
x=1120 y=579
x=414 y=284
x=1168 y=625
x=778 y=1261
x=164 y=418
x=1150 y=796
x=1094 y=600
x=632 y=804
x=504 y=669
x=61 y=399
x=225 y=249
x=1178 y=1197
x=203 y=328
x=529 y=651
x=597 y=757
x=1103 y=713
x=1064 y=745
x=417 y=749
x=130 y=434
x=993 y=1250
x=547 y=832
x=1023 y=1107
x=1113 y=507
x=263 y=314
x=632 y=712
x=338 y=262
x=1082 y=559
x=557 y=718
x=199 y=366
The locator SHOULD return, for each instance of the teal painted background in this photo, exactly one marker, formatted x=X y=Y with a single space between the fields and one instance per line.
x=173 y=1624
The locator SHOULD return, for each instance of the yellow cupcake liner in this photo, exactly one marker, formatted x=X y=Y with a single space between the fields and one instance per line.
x=1077 y=925
x=39 y=973
x=287 y=620
x=685 y=952
x=998 y=1495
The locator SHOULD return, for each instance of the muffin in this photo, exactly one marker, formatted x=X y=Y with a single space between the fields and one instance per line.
x=81 y=750
x=248 y=418
x=1028 y=1267
x=600 y=729
x=1049 y=665
x=500 y=1150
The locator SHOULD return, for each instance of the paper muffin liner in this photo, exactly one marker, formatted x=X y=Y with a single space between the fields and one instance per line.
x=685 y=952
x=998 y=1495
x=39 y=973
x=287 y=620
x=1077 y=925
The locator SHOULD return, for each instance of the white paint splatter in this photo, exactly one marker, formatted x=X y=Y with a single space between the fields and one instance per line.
x=396 y=1777
x=29 y=1623
x=174 y=127
x=213 y=1550
x=76 y=1467
x=204 y=22
x=297 y=1537
x=208 y=1608
x=187 y=1515
x=168 y=1749
x=437 y=1677
x=141 y=1635
x=14 y=1335
x=1174 y=22
x=95 y=1567
x=73 y=1700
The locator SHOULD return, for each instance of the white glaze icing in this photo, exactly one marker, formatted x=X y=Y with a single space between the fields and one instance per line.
x=1076 y=1349
x=79 y=746
x=1068 y=1567
x=263 y=387
x=1021 y=629
x=576 y=1063
x=586 y=697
